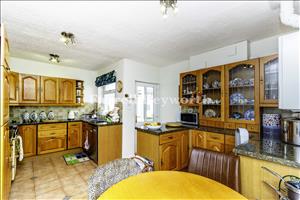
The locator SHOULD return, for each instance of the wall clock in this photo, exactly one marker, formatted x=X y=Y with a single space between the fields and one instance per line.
x=119 y=86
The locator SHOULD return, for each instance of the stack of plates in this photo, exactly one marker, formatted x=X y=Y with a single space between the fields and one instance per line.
x=174 y=124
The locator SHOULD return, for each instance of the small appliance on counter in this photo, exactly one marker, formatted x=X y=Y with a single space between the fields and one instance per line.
x=189 y=119
x=291 y=131
x=241 y=136
x=71 y=115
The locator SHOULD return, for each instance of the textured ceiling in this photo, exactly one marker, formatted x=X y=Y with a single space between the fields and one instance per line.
x=107 y=31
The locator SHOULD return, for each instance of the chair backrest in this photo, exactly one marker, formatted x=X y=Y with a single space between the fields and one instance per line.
x=220 y=167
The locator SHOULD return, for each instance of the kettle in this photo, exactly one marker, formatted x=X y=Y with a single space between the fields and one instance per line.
x=71 y=115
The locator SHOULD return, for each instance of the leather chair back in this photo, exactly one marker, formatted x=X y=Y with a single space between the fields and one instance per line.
x=220 y=167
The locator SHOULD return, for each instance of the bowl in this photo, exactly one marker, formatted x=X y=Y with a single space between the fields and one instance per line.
x=157 y=127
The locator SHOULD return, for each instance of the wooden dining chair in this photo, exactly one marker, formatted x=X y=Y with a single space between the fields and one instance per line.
x=220 y=167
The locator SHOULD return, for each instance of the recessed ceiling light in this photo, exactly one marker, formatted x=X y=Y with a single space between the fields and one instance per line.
x=54 y=58
x=166 y=4
x=67 y=38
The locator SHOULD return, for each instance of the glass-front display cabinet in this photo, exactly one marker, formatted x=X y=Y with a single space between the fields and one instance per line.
x=242 y=89
x=188 y=88
x=269 y=81
x=211 y=110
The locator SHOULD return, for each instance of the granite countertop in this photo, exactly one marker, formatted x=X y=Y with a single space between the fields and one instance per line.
x=271 y=150
x=65 y=121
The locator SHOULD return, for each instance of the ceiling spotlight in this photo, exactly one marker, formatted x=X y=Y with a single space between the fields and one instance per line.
x=67 y=38
x=54 y=58
x=166 y=4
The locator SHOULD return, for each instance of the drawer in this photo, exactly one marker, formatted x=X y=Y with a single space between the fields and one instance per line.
x=215 y=146
x=253 y=127
x=52 y=133
x=168 y=138
x=51 y=144
x=215 y=137
x=229 y=125
x=229 y=139
x=203 y=122
x=240 y=125
x=54 y=126
x=74 y=124
x=211 y=123
x=220 y=124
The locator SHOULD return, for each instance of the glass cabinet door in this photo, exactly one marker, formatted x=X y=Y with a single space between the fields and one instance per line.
x=269 y=80
x=189 y=87
x=211 y=83
x=242 y=91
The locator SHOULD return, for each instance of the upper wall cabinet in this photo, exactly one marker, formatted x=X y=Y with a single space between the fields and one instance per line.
x=67 y=91
x=211 y=88
x=29 y=88
x=242 y=87
x=188 y=88
x=13 y=88
x=49 y=90
x=289 y=71
x=269 y=81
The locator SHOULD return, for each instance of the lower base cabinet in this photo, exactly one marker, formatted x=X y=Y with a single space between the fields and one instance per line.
x=28 y=134
x=168 y=151
x=5 y=173
x=74 y=135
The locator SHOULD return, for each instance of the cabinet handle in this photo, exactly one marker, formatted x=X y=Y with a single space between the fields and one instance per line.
x=216 y=148
x=52 y=133
x=161 y=163
x=170 y=137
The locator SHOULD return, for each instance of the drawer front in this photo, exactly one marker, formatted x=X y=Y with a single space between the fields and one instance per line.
x=253 y=127
x=215 y=137
x=203 y=122
x=74 y=124
x=229 y=139
x=229 y=125
x=51 y=144
x=168 y=137
x=52 y=133
x=215 y=146
x=220 y=124
x=240 y=125
x=54 y=126
x=211 y=123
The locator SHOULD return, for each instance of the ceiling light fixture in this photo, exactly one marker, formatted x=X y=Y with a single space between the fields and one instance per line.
x=67 y=38
x=54 y=58
x=166 y=4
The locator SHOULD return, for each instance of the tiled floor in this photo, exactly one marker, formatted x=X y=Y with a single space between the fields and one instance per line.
x=50 y=178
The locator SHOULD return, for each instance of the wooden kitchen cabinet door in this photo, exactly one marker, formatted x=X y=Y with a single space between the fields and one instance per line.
x=51 y=144
x=49 y=90
x=198 y=139
x=28 y=134
x=6 y=163
x=170 y=155
x=67 y=91
x=4 y=96
x=13 y=88
x=29 y=86
x=74 y=135
x=184 y=139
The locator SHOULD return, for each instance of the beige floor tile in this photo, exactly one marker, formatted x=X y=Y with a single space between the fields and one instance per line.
x=57 y=194
x=72 y=180
x=47 y=187
x=43 y=171
x=22 y=196
x=81 y=196
x=23 y=175
x=66 y=172
x=46 y=178
x=24 y=164
x=22 y=186
x=85 y=175
x=73 y=190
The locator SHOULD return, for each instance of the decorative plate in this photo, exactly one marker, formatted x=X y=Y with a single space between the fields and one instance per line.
x=235 y=82
x=249 y=114
x=51 y=115
x=205 y=85
x=237 y=98
x=173 y=124
x=33 y=116
x=43 y=115
x=236 y=115
x=216 y=84
x=119 y=86
x=210 y=113
x=26 y=116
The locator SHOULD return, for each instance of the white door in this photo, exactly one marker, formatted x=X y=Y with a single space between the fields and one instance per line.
x=147 y=108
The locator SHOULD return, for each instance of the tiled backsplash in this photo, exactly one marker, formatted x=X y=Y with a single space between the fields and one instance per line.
x=60 y=112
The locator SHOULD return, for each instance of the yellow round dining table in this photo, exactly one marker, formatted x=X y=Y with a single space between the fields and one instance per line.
x=170 y=185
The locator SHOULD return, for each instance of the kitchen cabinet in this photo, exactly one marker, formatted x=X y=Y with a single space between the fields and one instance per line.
x=168 y=151
x=188 y=90
x=109 y=143
x=49 y=90
x=13 y=78
x=211 y=109
x=229 y=143
x=67 y=91
x=252 y=177
x=4 y=49
x=289 y=71
x=52 y=137
x=28 y=134
x=29 y=87
x=199 y=139
x=269 y=81
x=242 y=87
x=5 y=163
x=4 y=96
x=74 y=135
x=215 y=142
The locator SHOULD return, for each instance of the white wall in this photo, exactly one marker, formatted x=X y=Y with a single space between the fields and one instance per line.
x=46 y=69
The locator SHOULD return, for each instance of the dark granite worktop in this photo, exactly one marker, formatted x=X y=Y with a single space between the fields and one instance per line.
x=66 y=121
x=271 y=150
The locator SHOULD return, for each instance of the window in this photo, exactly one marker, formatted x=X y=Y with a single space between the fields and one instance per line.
x=146 y=108
x=107 y=97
